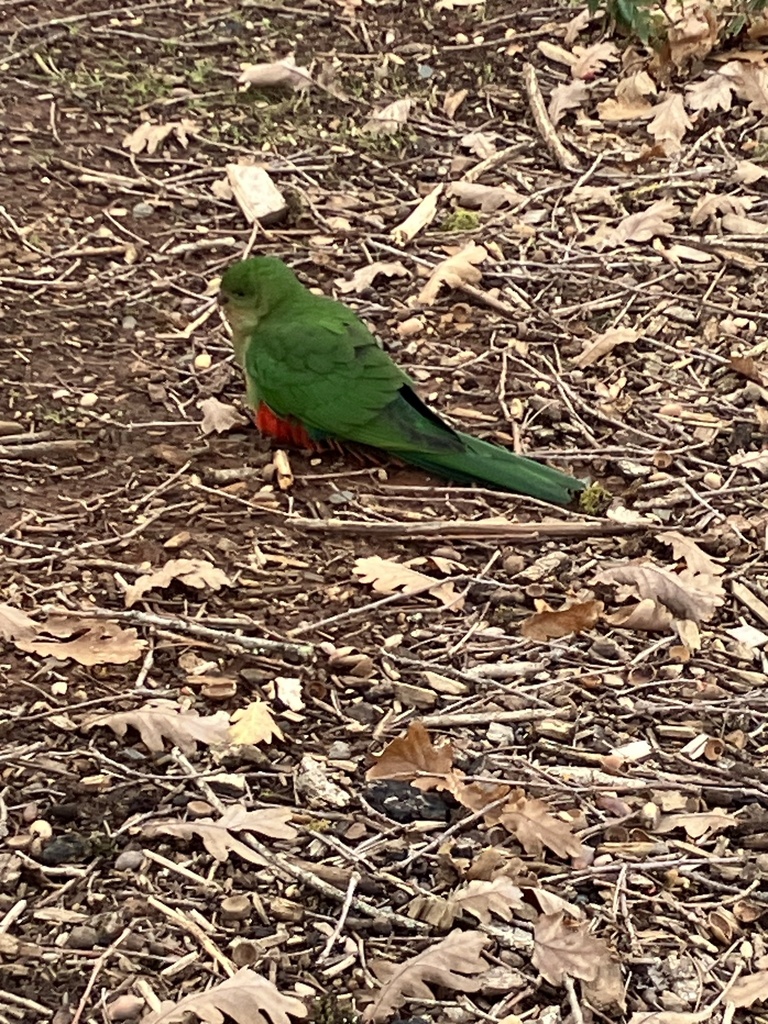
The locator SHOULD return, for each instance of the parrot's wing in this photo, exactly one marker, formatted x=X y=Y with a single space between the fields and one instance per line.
x=324 y=368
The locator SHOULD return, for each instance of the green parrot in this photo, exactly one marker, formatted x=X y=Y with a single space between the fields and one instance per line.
x=314 y=372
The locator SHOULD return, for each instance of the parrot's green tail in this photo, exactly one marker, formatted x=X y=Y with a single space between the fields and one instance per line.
x=484 y=463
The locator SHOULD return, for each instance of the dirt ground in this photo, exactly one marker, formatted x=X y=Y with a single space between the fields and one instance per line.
x=109 y=263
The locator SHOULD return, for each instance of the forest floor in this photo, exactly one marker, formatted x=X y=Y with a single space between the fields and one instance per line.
x=206 y=647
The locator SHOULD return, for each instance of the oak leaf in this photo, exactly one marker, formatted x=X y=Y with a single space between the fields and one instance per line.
x=454 y=271
x=533 y=825
x=688 y=595
x=364 y=276
x=604 y=343
x=219 y=416
x=278 y=73
x=414 y=758
x=449 y=963
x=254 y=724
x=242 y=997
x=84 y=641
x=163 y=720
x=550 y=624
x=216 y=835
x=389 y=119
x=563 y=947
x=388 y=577
x=192 y=572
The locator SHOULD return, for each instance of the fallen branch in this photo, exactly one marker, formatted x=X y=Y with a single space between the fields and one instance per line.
x=259 y=645
x=520 y=533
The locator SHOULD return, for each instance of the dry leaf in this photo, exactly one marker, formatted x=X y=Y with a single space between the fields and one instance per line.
x=692 y=30
x=390 y=119
x=671 y=1017
x=639 y=227
x=216 y=835
x=487 y=197
x=549 y=624
x=535 y=827
x=454 y=272
x=16 y=624
x=219 y=416
x=162 y=719
x=254 y=724
x=748 y=989
x=480 y=143
x=695 y=559
x=576 y=25
x=562 y=947
x=710 y=93
x=590 y=60
x=748 y=172
x=604 y=343
x=412 y=758
x=84 y=641
x=482 y=899
x=750 y=83
x=697 y=825
x=453 y=100
x=448 y=963
x=388 y=577
x=751 y=369
x=669 y=125
x=241 y=997
x=647 y=616
x=687 y=595
x=364 y=277
x=710 y=204
x=418 y=218
x=752 y=460
x=149 y=136
x=566 y=97
x=192 y=572
x=279 y=73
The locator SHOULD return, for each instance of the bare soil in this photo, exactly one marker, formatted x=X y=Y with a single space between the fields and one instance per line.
x=108 y=267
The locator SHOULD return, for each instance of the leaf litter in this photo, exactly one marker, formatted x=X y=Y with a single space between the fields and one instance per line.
x=577 y=780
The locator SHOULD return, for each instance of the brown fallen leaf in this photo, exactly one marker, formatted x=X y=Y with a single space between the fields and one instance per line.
x=750 y=83
x=414 y=758
x=219 y=416
x=162 y=720
x=499 y=897
x=278 y=73
x=192 y=572
x=710 y=93
x=419 y=217
x=549 y=624
x=84 y=641
x=149 y=135
x=751 y=460
x=670 y=123
x=604 y=343
x=389 y=119
x=390 y=577
x=565 y=948
x=692 y=31
x=686 y=548
x=216 y=836
x=688 y=595
x=242 y=997
x=533 y=825
x=364 y=277
x=449 y=963
x=454 y=271
x=16 y=624
x=566 y=96
x=647 y=616
x=654 y=221
x=487 y=198
x=254 y=724
x=697 y=825
x=591 y=60
x=748 y=989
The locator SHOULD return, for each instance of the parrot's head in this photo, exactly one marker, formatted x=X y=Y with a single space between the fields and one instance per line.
x=250 y=290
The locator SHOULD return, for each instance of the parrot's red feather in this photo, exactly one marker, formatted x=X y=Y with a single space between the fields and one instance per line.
x=284 y=431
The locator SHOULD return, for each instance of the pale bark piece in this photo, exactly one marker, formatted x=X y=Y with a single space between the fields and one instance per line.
x=256 y=194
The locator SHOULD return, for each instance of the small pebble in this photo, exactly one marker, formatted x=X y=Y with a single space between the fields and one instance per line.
x=202 y=361
x=143 y=210
x=88 y=400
